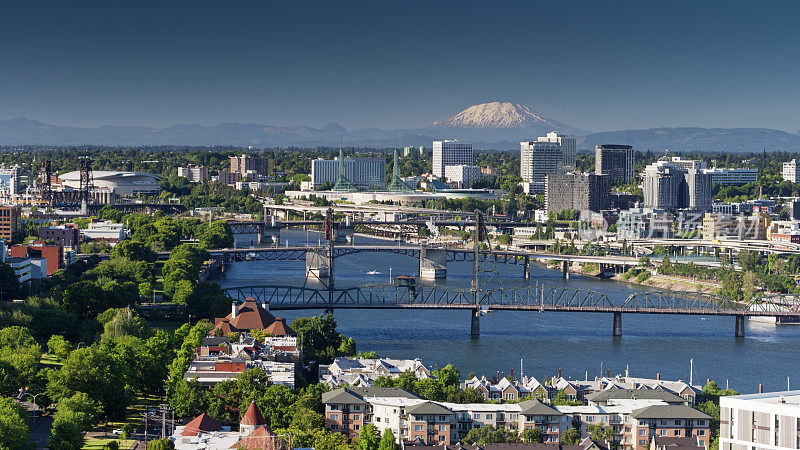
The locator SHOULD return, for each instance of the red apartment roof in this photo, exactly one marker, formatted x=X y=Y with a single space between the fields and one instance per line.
x=201 y=424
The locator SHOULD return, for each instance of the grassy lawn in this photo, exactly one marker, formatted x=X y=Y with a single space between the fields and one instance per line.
x=50 y=360
x=98 y=443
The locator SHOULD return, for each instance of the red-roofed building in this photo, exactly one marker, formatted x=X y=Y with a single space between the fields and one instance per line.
x=201 y=424
x=279 y=328
x=251 y=420
x=54 y=254
x=262 y=438
x=250 y=315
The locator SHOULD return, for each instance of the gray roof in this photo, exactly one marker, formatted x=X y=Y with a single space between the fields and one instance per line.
x=428 y=408
x=216 y=341
x=641 y=394
x=677 y=443
x=537 y=408
x=355 y=395
x=669 y=412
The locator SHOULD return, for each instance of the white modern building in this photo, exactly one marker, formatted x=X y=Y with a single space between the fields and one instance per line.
x=539 y=159
x=118 y=183
x=106 y=231
x=462 y=175
x=10 y=180
x=760 y=421
x=364 y=172
x=193 y=173
x=732 y=175
x=450 y=153
x=791 y=171
x=568 y=147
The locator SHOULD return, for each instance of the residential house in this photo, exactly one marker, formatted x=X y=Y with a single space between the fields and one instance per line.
x=667 y=421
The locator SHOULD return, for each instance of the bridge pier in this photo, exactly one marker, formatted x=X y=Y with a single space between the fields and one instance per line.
x=739 y=326
x=617 y=324
x=432 y=263
x=565 y=269
x=475 y=323
x=526 y=268
x=317 y=264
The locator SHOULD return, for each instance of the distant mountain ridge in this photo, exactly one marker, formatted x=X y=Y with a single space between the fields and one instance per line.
x=492 y=125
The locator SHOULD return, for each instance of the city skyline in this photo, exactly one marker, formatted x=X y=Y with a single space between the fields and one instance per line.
x=596 y=67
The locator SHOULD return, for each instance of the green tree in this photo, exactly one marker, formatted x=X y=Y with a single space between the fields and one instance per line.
x=749 y=287
x=121 y=322
x=600 y=432
x=161 y=444
x=13 y=425
x=58 y=346
x=388 y=441
x=571 y=437
x=94 y=372
x=533 y=435
x=66 y=433
x=86 y=411
x=368 y=438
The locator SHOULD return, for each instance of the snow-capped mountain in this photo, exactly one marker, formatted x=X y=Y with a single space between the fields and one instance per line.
x=505 y=117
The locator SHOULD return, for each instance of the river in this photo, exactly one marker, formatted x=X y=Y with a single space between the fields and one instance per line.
x=577 y=343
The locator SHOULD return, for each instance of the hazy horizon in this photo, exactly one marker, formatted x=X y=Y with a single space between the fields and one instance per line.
x=594 y=66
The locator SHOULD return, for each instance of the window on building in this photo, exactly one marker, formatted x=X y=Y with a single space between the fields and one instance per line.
x=334 y=427
x=334 y=407
x=512 y=416
x=441 y=438
x=356 y=427
x=356 y=407
x=663 y=432
x=509 y=396
x=441 y=419
x=663 y=422
x=677 y=432
x=488 y=416
x=777 y=427
x=590 y=419
x=334 y=417
x=701 y=432
x=642 y=432
x=356 y=417
x=442 y=427
x=641 y=442
x=678 y=423
x=477 y=416
x=417 y=427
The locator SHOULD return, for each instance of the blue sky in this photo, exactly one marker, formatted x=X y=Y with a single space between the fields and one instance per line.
x=596 y=65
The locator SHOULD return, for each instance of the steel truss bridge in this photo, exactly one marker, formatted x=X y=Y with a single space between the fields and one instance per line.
x=528 y=298
x=453 y=254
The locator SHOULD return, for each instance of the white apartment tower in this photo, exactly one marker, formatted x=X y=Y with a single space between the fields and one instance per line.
x=790 y=171
x=539 y=159
x=450 y=153
x=568 y=147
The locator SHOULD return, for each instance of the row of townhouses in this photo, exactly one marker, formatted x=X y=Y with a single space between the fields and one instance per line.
x=635 y=421
x=364 y=371
x=508 y=390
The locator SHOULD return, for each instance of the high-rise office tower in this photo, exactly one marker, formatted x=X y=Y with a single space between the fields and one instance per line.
x=450 y=153
x=539 y=159
x=669 y=185
x=568 y=147
x=616 y=161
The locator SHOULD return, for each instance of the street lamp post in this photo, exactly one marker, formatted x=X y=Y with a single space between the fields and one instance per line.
x=35 y=405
